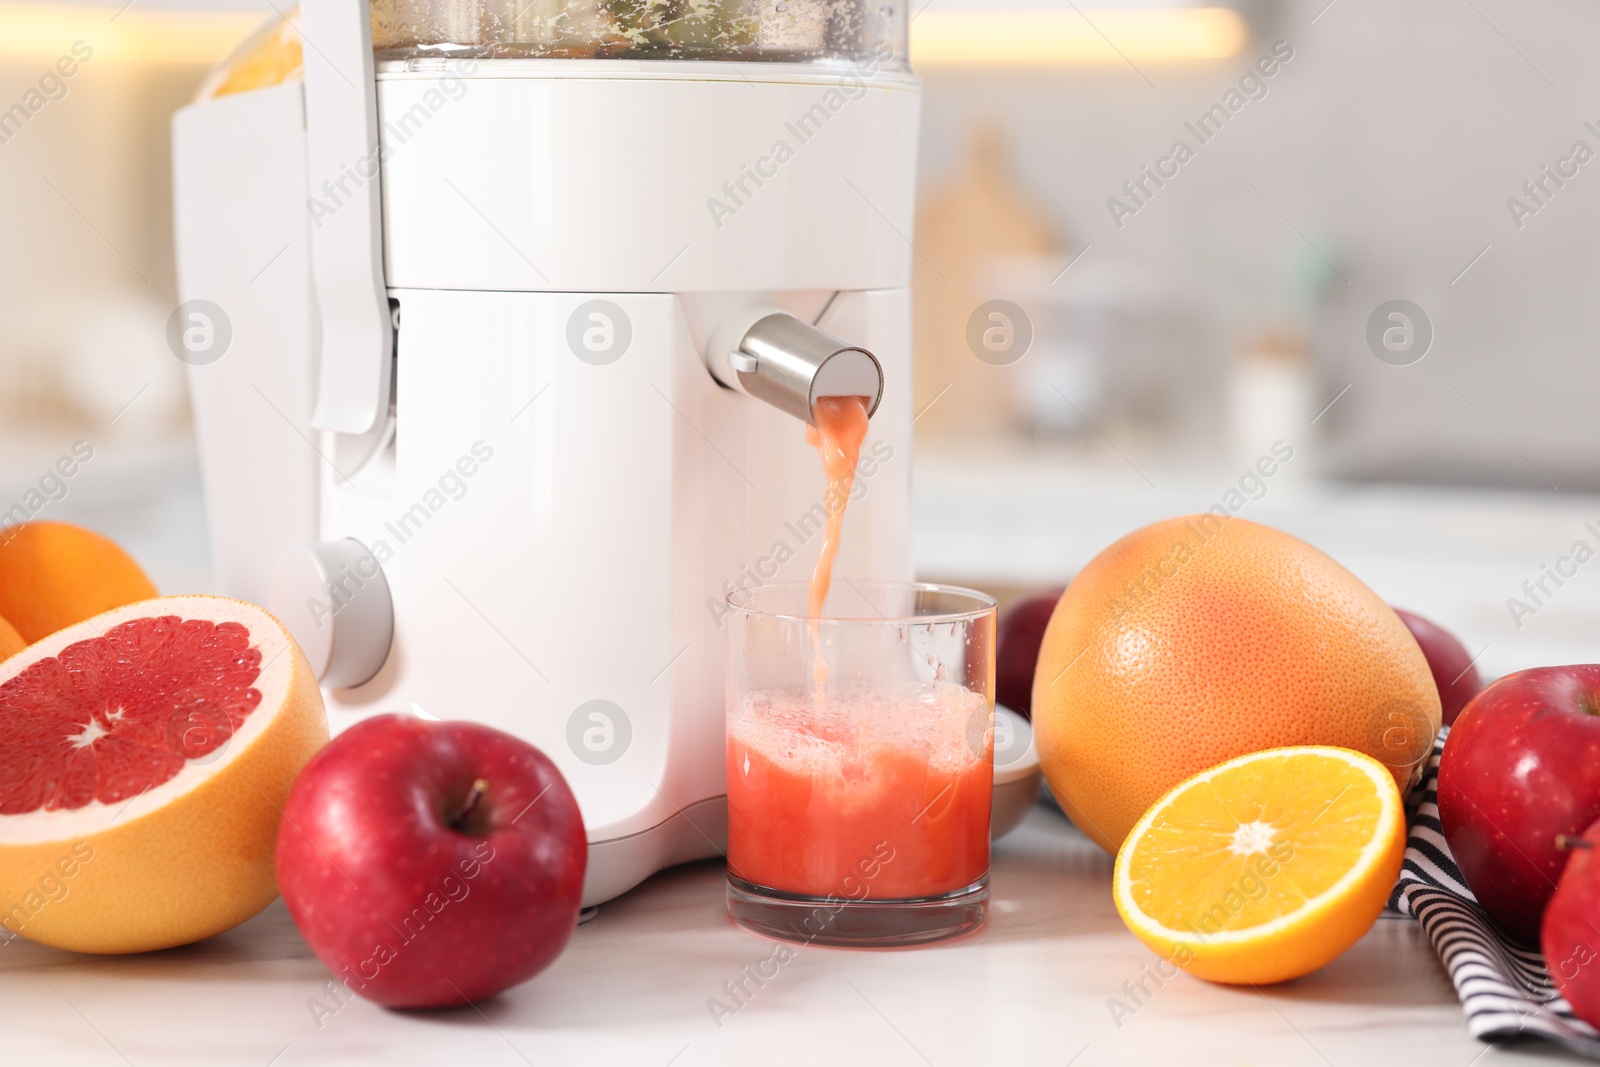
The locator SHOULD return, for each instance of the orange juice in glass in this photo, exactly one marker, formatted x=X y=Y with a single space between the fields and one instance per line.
x=858 y=808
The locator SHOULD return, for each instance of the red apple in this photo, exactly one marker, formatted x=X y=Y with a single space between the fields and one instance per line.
x=1017 y=639
x=1520 y=770
x=431 y=864
x=1570 y=936
x=1453 y=670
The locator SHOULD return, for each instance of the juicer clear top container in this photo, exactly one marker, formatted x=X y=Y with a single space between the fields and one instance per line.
x=866 y=35
x=848 y=31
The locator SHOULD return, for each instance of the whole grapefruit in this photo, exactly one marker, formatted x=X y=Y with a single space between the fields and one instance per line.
x=1202 y=638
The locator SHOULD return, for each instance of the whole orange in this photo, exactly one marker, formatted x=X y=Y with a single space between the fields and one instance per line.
x=1202 y=638
x=53 y=574
x=10 y=641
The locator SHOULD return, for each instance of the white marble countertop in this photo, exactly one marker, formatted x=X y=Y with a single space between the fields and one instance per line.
x=1032 y=987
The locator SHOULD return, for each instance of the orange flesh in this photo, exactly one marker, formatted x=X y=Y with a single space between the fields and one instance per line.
x=837 y=428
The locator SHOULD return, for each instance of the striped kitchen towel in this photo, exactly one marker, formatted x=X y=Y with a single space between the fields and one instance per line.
x=1505 y=988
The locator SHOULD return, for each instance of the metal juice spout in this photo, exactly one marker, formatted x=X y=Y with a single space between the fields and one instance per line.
x=771 y=355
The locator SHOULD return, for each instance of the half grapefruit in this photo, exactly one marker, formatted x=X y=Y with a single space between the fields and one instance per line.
x=145 y=756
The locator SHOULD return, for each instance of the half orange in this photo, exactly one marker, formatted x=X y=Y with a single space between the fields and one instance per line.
x=1266 y=867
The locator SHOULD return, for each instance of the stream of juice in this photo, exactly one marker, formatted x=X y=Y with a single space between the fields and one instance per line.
x=837 y=428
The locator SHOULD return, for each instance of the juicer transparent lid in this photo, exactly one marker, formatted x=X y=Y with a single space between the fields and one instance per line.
x=858 y=33
x=771 y=30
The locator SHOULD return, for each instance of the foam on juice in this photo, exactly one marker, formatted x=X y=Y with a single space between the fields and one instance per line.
x=941 y=723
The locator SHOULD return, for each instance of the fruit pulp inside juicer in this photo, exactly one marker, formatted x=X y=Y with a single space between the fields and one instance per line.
x=869 y=33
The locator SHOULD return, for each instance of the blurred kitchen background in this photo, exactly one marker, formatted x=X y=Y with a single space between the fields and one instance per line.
x=1341 y=260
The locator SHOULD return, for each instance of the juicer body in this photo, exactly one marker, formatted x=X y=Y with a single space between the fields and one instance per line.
x=557 y=495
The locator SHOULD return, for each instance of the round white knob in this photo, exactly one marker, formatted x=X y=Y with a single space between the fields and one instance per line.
x=333 y=598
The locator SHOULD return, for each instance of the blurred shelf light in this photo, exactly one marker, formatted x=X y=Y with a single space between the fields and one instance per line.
x=30 y=29
x=995 y=37
x=940 y=37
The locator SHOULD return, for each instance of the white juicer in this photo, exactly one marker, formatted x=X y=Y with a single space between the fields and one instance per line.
x=508 y=322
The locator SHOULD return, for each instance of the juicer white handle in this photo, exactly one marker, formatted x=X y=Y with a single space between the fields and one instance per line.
x=356 y=339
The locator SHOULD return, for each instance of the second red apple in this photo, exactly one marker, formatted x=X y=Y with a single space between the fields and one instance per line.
x=1520 y=770
x=1017 y=641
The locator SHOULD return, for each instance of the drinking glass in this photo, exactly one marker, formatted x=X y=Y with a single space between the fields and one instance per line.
x=860 y=762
